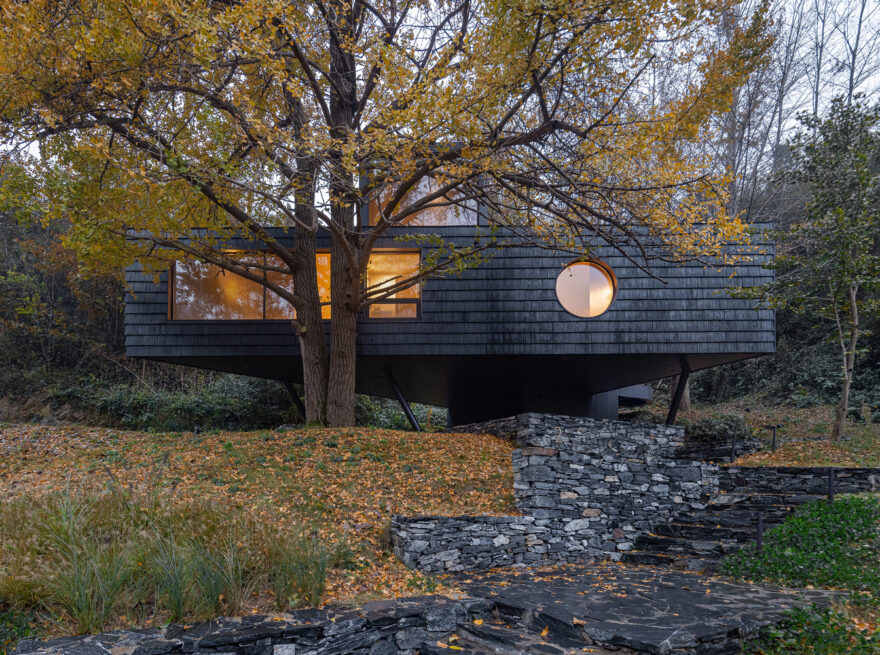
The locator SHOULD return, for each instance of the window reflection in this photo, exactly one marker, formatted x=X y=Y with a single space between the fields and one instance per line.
x=205 y=292
x=437 y=213
x=384 y=271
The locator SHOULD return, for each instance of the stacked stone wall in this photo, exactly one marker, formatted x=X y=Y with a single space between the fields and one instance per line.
x=800 y=480
x=586 y=488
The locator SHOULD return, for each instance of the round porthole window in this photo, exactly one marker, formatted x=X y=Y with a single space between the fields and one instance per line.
x=586 y=288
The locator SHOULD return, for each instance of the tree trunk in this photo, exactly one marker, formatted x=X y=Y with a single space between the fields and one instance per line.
x=345 y=278
x=849 y=360
x=312 y=342
x=840 y=412
x=345 y=285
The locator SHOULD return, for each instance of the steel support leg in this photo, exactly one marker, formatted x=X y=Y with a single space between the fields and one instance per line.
x=679 y=392
x=402 y=399
x=296 y=399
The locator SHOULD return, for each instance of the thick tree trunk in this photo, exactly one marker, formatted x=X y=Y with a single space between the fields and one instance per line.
x=344 y=243
x=312 y=342
x=344 y=283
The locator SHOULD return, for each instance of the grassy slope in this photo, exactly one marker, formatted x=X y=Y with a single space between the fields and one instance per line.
x=344 y=483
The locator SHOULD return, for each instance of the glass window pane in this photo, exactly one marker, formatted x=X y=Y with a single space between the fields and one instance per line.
x=276 y=306
x=585 y=289
x=436 y=214
x=322 y=263
x=389 y=268
x=394 y=310
x=206 y=292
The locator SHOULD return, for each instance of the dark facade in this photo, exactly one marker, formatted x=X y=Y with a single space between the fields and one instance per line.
x=494 y=341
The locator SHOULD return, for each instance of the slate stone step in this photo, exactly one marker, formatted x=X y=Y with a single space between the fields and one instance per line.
x=515 y=639
x=749 y=498
x=705 y=532
x=732 y=518
x=437 y=649
x=682 y=563
x=648 y=559
x=678 y=547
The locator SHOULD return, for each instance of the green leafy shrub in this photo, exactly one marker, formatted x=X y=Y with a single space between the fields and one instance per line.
x=386 y=413
x=229 y=403
x=717 y=427
x=15 y=624
x=812 y=631
x=827 y=544
x=823 y=543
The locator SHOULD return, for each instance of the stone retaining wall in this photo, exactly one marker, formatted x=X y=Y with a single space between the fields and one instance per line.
x=585 y=488
x=392 y=627
x=588 y=488
x=802 y=480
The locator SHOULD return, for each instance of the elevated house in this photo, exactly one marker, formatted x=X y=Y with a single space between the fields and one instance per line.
x=528 y=330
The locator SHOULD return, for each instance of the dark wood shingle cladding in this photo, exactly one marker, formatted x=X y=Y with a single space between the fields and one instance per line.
x=495 y=338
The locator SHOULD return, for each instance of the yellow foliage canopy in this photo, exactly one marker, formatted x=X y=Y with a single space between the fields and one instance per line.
x=570 y=120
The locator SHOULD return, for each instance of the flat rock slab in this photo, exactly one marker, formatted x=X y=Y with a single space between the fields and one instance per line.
x=648 y=610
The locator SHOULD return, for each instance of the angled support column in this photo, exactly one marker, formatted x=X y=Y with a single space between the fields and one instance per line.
x=296 y=399
x=679 y=392
x=402 y=399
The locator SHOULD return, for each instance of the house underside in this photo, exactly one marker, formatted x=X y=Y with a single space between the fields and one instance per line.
x=491 y=342
x=479 y=388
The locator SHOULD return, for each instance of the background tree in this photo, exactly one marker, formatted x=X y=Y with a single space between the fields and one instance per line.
x=167 y=127
x=829 y=263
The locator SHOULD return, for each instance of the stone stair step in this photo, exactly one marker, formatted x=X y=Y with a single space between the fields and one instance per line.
x=437 y=649
x=682 y=563
x=512 y=639
x=680 y=547
x=704 y=532
x=643 y=558
x=729 y=518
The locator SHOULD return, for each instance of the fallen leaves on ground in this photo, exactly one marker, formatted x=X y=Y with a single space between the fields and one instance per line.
x=340 y=482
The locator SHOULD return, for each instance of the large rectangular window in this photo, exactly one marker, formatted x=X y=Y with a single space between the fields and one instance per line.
x=387 y=269
x=438 y=213
x=205 y=292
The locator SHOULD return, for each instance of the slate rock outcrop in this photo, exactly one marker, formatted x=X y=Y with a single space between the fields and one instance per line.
x=392 y=627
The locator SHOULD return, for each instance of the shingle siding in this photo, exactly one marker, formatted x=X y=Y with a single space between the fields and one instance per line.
x=506 y=306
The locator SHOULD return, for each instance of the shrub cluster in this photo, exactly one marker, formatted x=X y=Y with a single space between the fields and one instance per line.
x=230 y=402
x=826 y=544
x=95 y=558
x=717 y=427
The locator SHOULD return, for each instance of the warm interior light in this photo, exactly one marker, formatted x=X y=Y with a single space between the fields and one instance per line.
x=386 y=269
x=585 y=289
x=204 y=292
x=437 y=213
x=277 y=307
